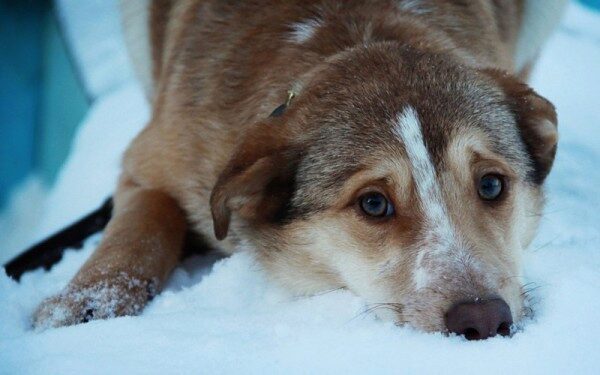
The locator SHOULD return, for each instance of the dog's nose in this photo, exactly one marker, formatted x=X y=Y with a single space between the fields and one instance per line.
x=480 y=320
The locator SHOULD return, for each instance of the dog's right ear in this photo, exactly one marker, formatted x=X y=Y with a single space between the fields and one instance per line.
x=258 y=181
x=536 y=118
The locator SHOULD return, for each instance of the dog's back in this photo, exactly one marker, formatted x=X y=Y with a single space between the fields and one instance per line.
x=145 y=25
x=147 y=22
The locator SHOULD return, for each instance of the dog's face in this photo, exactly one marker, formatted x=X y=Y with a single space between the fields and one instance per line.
x=412 y=181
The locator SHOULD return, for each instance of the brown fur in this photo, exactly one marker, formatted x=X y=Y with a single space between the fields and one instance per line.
x=287 y=186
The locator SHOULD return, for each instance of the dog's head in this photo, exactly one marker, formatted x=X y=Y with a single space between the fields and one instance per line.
x=407 y=178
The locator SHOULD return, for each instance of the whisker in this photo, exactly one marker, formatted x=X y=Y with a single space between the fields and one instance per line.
x=545 y=244
x=547 y=212
x=527 y=291
x=299 y=298
x=328 y=291
x=395 y=307
x=437 y=291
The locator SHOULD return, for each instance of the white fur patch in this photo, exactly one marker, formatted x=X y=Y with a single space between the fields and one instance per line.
x=303 y=31
x=408 y=129
x=440 y=233
x=421 y=276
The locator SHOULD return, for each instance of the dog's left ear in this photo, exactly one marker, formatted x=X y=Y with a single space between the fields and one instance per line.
x=536 y=118
x=258 y=181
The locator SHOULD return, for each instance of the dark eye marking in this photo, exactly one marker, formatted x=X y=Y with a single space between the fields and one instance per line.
x=490 y=187
x=376 y=205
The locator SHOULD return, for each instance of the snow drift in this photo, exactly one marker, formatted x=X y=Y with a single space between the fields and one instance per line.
x=222 y=315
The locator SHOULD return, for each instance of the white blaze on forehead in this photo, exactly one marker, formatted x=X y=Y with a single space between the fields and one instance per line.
x=439 y=232
x=303 y=31
x=408 y=129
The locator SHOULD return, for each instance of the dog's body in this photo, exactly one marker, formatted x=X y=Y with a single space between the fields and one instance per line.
x=410 y=104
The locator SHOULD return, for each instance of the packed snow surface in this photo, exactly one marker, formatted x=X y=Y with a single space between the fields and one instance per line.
x=224 y=316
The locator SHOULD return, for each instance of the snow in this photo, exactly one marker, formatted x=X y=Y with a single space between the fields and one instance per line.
x=24 y=211
x=223 y=315
x=105 y=66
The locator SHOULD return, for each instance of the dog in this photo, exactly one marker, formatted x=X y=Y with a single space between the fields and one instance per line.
x=387 y=147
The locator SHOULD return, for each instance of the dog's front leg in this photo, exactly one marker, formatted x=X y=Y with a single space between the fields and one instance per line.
x=141 y=246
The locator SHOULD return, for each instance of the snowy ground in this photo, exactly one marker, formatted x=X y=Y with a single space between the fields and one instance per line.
x=224 y=317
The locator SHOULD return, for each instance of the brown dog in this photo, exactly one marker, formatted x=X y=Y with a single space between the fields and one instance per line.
x=387 y=147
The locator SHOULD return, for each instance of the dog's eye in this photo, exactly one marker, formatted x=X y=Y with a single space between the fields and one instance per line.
x=376 y=204
x=490 y=187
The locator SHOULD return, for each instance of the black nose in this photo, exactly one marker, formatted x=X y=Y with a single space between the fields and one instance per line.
x=480 y=320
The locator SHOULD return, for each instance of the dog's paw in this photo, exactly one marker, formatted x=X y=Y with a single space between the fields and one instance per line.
x=108 y=298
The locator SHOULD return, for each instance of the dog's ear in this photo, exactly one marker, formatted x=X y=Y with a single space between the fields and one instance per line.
x=536 y=118
x=258 y=181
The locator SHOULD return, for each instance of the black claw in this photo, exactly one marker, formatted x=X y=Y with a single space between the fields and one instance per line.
x=89 y=315
x=151 y=289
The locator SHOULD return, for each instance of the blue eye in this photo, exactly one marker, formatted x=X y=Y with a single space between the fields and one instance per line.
x=376 y=205
x=490 y=187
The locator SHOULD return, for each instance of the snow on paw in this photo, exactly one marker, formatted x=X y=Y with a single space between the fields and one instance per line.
x=108 y=298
